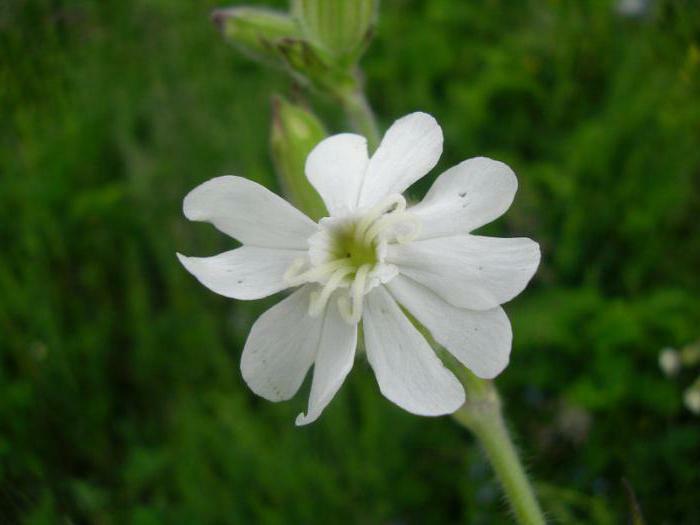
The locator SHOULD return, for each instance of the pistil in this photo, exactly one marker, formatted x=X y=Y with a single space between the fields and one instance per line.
x=397 y=202
x=319 y=300
x=353 y=314
x=352 y=249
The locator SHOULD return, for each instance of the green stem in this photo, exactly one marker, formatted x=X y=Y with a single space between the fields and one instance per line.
x=482 y=415
x=360 y=114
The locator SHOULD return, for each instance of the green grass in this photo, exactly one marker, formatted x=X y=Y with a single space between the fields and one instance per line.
x=120 y=395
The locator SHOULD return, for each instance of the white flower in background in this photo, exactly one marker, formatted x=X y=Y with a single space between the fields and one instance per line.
x=372 y=258
x=691 y=398
x=633 y=8
x=670 y=361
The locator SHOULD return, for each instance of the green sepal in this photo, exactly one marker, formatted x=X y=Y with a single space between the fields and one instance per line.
x=308 y=67
x=256 y=32
x=339 y=29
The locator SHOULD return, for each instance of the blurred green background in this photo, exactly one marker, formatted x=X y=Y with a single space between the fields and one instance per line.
x=121 y=399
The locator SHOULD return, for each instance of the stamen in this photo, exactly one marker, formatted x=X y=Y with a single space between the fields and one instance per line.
x=318 y=300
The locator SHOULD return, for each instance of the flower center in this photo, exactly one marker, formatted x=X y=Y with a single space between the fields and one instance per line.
x=357 y=252
x=347 y=255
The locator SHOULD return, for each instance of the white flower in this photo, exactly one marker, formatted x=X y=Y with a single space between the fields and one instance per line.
x=670 y=361
x=371 y=259
x=691 y=398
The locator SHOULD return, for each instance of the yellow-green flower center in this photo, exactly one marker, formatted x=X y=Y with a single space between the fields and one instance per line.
x=356 y=252
x=346 y=254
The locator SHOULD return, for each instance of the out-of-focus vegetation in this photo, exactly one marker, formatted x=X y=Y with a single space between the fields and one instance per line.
x=120 y=395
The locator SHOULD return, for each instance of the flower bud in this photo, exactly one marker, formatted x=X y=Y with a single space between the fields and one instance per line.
x=295 y=132
x=302 y=59
x=308 y=67
x=340 y=29
x=256 y=32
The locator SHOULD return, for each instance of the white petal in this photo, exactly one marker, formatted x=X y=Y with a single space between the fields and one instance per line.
x=480 y=340
x=334 y=359
x=410 y=149
x=469 y=271
x=336 y=167
x=465 y=197
x=407 y=369
x=281 y=347
x=245 y=273
x=249 y=212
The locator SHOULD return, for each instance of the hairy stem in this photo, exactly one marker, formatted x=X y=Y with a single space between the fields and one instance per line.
x=360 y=114
x=482 y=415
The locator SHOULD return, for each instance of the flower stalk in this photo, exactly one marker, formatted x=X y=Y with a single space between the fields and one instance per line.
x=360 y=115
x=482 y=415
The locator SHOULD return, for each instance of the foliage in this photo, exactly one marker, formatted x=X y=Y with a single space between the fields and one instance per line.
x=120 y=395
